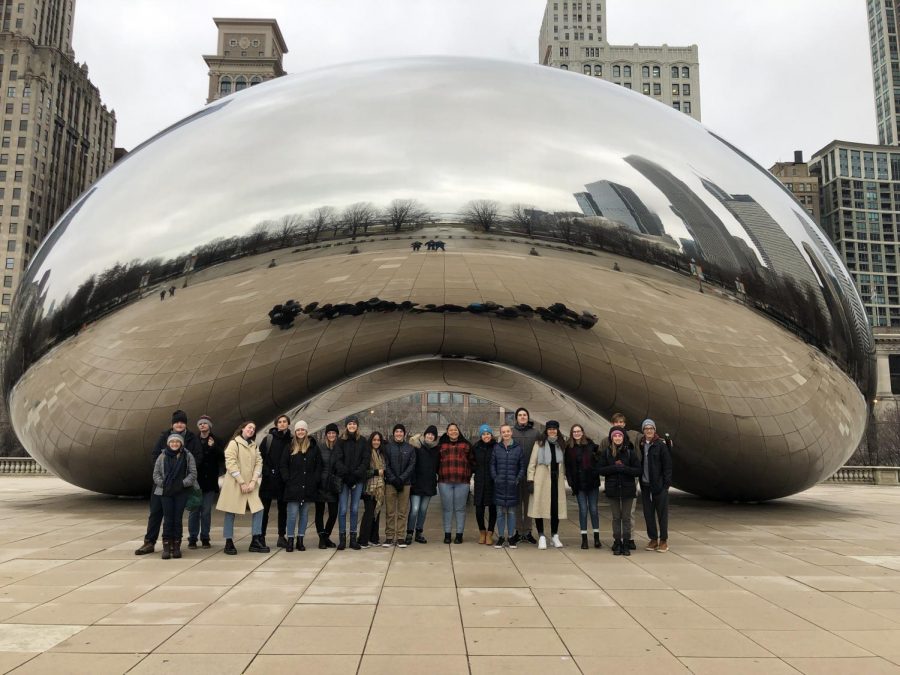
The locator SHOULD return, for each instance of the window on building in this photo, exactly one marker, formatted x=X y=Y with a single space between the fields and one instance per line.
x=687 y=107
x=564 y=67
x=598 y=71
x=20 y=158
x=657 y=89
x=655 y=72
x=243 y=53
x=13 y=228
x=646 y=88
x=587 y=69
x=14 y=210
x=674 y=72
x=5 y=142
x=628 y=85
x=645 y=72
x=675 y=90
x=21 y=142
x=4 y=317
x=626 y=71
x=10 y=263
x=617 y=71
x=676 y=105
x=26 y=92
x=894 y=364
x=685 y=72
x=10 y=92
x=11 y=246
x=255 y=43
x=256 y=79
x=7 y=281
x=17 y=193
x=17 y=176
x=685 y=90
x=232 y=43
x=225 y=85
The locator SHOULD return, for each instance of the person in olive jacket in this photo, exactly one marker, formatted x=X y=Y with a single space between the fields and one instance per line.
x=508 y=466
x=300 y=470
x=330 y=485
x=621 y=465
x=482 y=452
x=399 y=468
x=351 y=463
x=210 y=467
x=273 y=447
x=656 y=479
x=424 y=483
x=582 y=476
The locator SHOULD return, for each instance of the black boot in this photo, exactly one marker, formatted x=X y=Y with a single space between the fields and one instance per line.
x=167 y=549
x=409 y=537
x=458 y=539
x=626 y=549
x=597 y=543
x=328 y=542
x=322 y=540
x=354 y=544
x=617 y=547
x=176 y=548
x=192 y=543
x=262 y=541
x=419 y=538
x=229 y=547
x=300 y=546
x=147 y=547
x=446 y=537
x=289 y=545
x=631 y=546
x=258 y=545
x=282 y=542
x=342 y=542
x=584 y=543
x=204 y=543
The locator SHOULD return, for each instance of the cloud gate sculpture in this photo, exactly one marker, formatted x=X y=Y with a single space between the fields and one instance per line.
x=601 y=252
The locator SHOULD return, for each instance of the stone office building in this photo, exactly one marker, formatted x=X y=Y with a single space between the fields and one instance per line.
x=248 y=52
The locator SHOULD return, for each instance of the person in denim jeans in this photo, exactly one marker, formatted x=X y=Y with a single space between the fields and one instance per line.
x=424 y=483
x=584 y=479
x=507 y=472
x=174 y=474
x=300 y=469
x=210 y=467
x=455 y=466
x=240 y=489
x=351 y=464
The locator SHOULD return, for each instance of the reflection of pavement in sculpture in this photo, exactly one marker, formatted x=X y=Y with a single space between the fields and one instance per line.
x=749 y=404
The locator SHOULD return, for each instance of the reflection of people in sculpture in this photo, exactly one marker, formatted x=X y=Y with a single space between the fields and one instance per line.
x=416 y=245
x=171 y=291
x=162 y=295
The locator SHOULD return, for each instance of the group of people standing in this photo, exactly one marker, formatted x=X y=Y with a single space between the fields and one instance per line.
x=519 y=477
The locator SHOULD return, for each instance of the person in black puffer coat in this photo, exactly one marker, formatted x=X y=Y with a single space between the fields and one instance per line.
x=424 y=483
x=482 y=452
x=273 y=448
x=583 y=478
x=330 y=485
x=621 y=465
x=351 y=463
x=211 y=466
x=300 y=471
x=508 y=466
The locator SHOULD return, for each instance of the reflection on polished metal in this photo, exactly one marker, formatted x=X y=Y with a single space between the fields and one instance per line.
x=545 y=187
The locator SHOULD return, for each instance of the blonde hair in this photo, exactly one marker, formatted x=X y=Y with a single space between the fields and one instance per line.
x=298 y=445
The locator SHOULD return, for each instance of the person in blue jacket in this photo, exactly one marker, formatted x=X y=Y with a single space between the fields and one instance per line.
x=508 y=472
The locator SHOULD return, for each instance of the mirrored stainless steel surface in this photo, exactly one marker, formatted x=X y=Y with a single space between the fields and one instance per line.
x=697 y=290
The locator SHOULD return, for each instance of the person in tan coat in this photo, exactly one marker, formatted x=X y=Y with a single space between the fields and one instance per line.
x=547 y=483
x=240 y=487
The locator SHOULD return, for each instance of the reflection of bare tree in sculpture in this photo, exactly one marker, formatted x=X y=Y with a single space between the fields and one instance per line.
x=483 y=213
x=287 y=228
x=321 y=219
x=257 y=236
x=526 y=218
x=403 y=212
x=359 y=215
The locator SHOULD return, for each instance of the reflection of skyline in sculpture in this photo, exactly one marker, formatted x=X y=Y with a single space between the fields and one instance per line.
x=96 y=367
x=711 y=237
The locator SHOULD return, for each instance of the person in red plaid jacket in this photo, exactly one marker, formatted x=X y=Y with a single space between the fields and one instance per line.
x=455 y=466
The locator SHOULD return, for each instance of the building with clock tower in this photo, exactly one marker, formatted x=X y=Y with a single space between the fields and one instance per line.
x=249 y=51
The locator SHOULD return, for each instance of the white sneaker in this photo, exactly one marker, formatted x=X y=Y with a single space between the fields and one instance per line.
x=556 y=542
x=542 y=543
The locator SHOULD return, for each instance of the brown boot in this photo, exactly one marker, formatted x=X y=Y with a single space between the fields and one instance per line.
x=663 y=546
x=482 y=537
x=167 y=549
x=489 y=539
x=652 y=545
x=148 y=547
x=176 y=548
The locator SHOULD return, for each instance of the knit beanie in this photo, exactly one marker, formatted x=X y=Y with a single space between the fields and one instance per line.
x=204 y=419
x=332 y=427
x=431 y=430
x=485 y=429
x=402 y=428
x=179 y=416
x=301 y=425
x=616 y=430
x=648 y=423
x=352 y=418
x=552 y=424
x=175 y=437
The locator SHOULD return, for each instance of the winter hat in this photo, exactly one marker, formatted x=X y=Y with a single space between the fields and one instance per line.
x=648 y=423
x=518 y=410
x=401 y=427
x=176 y=437
x=552 y=424
x=179 y=416
x=616 y=430
x=204 y=419
x=331 y=427
x=301 y=425
x=431 y=430
x=485 y=429
x=352 y=418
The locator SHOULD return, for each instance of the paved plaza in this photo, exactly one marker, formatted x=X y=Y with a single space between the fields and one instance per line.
x=807 y=584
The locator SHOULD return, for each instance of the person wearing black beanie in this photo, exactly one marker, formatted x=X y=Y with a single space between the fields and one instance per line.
x=399 y=467
x=424 y=483
x=526 y=435
x=329 y=487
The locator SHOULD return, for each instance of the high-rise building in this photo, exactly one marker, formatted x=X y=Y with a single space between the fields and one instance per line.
x=573 y=37
x=885 y=51
x=860 y=186
x=248 y=52
x=795 y=176
x=57 y=137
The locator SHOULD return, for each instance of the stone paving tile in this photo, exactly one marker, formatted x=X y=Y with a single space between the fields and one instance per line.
x=523 y=665
x=195 y=664
x=333 y=615
x=67 y=613
x=842 y=666
x=34 y=638
x=291 y=664
x=54 y=663
x=318 y=640
x=193 y=639
x=514 y=642
x=735 y=666
x=116 y=639
x=658 y=664
x=9 y=660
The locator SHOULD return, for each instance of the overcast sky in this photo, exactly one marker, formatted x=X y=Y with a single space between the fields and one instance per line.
x=775 y=76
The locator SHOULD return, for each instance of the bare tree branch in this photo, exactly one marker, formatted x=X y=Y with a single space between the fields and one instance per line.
x=359 y=215
x=483 y=213
x=403 y=212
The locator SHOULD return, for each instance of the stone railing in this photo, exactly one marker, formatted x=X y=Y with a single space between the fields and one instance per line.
x=866 y=475
x=21 y=466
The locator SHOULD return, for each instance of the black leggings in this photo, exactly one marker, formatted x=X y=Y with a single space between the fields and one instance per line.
x=321 y=526
x=492 y=516
x=554 y=507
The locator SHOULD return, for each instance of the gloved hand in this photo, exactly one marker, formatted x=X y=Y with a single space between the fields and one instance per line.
x=531 y=487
